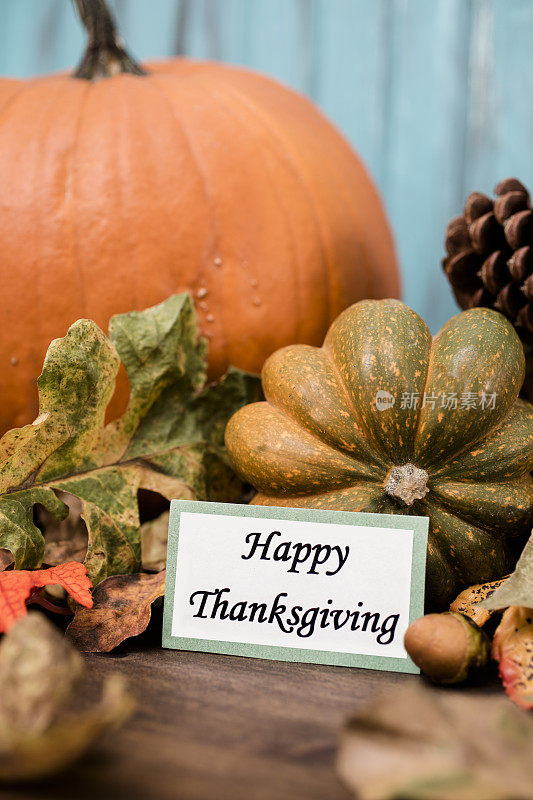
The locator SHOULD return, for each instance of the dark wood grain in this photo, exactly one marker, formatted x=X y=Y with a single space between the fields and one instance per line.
x=215 y=727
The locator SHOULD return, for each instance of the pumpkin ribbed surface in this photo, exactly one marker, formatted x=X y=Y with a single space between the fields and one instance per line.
x=195 y=177
x=323 y=440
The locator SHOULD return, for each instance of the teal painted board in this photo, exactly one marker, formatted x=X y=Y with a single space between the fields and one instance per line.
x=152 y=28
x=500 y=111
x=279 y=40
x=351 y=73
x=425 y=132
x=38 y=36
x=211 y=29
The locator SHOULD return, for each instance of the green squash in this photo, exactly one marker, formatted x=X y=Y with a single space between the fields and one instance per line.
x=382 y=418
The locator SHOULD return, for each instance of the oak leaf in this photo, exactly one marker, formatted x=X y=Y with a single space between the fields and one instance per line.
x=154 y=538
x=425 y=744
x=46 y=721
x=512 y=648
x=6 y=559
x=65 y=539
x=469 y=601
x=17 y=586
x=122 y=609
x=169 y=439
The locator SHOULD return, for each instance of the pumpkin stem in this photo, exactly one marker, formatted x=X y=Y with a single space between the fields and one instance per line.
x=105 y=54
x=407 y=484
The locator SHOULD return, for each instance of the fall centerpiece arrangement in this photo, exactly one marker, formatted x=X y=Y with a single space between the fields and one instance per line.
x=188 y=209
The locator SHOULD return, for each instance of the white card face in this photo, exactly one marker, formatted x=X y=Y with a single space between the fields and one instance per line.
x=286 y=587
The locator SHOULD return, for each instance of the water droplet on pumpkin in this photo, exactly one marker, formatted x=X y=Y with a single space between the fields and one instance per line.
x=14 y=360
x=217 y=261
x=254 y=282
x=202 y=304
x=245 y=264
x=202 y=292
x=210 y=318
x=256 y=301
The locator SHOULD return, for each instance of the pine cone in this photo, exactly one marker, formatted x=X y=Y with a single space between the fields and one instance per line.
x=490 y=254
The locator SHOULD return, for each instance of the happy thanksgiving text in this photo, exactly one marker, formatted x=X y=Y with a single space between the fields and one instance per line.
x=297 y=558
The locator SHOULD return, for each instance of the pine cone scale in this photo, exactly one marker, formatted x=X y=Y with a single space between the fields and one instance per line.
x=494 y=272
x=486 y=234
x=521 y=264
x=519 y=229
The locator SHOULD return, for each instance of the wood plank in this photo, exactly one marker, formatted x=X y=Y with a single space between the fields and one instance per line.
x=212 y=29
x=39 y=37
x=150 y=30
x=500 y=119
x=426 y=134
x=224 y=727
x=351 y=73
x=219 y=726
x=279 y=40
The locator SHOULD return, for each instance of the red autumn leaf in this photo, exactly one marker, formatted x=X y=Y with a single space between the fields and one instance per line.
x=513 y=649
x=17 y=586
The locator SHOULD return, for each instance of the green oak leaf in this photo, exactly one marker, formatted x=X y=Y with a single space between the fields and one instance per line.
x=169 y=439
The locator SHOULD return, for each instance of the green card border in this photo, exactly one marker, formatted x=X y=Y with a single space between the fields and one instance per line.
x=416 y=607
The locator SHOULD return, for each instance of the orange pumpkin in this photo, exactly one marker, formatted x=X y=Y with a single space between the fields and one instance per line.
x=122 y=185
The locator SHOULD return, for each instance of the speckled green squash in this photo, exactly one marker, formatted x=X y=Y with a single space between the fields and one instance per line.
x=322 y=441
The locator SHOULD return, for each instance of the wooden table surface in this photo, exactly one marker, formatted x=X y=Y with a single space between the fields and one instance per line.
x=212 y=727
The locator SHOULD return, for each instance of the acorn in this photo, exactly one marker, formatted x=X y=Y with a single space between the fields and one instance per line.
x=447 y=647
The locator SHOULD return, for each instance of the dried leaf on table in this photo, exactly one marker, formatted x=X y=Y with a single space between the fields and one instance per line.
x=169 y=440
x=154 y=538
x=65 y=539
x=122 y=609
x=518 y=588
x=512 y=648
x=41 y=669
x=17 y=586
x=426 y=744
x=6 y=559
x=45 y=719
x=468 y=602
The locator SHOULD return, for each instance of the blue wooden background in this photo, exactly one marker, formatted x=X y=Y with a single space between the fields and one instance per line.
x=436 y=95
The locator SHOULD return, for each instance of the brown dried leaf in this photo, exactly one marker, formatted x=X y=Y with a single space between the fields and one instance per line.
x=66 y=539
x=154 y=538
x=468 y=601
x=51 y=670
x=122 y=609
x=6 y=559
x=35 y=757
x=429 y=745
x=45 y=722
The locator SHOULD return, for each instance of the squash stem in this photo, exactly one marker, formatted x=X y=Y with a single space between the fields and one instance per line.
x=406 y=484
x=105 y=54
